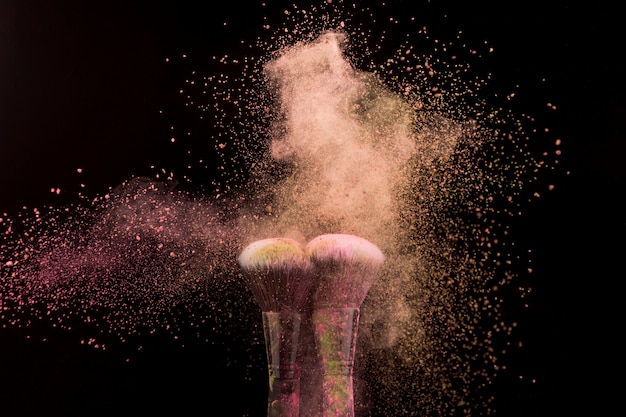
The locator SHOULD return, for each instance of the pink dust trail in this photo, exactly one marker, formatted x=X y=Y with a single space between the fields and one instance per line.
x=122 y=263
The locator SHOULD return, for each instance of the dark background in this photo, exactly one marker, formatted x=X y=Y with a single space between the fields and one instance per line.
x=81 y=84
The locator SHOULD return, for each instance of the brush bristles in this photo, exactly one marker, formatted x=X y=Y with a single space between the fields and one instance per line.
x=346 y=267
x=278 y=272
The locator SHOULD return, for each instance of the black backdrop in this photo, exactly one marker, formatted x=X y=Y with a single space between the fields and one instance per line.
x=81 y=84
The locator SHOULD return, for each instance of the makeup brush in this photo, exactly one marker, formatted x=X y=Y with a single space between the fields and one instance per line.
x=345 y=267
x=280 y=276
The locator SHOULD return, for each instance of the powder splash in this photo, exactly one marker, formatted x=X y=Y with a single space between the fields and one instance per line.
x=320 y=132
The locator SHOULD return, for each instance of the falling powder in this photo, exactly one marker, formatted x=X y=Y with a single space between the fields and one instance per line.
x=317 y=134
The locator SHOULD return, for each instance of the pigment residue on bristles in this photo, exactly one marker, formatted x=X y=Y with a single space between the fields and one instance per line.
x=278 y=272
x=346 y=266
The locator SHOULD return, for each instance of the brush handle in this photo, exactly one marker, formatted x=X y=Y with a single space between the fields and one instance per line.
x=335 y=341
x=282 y=333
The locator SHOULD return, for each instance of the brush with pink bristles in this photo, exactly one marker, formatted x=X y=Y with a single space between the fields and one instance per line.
x=279 y=274
x=346 y=266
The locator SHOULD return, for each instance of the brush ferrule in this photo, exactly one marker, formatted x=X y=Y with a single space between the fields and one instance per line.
x=335 y=338
x=282 y=333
